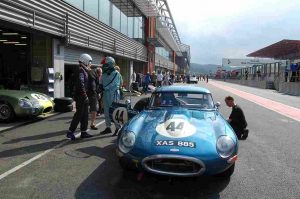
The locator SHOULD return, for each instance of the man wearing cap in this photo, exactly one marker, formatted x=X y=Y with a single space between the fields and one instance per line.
x=80 y=96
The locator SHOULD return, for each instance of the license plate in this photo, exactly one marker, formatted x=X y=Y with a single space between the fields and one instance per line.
x=175 y=143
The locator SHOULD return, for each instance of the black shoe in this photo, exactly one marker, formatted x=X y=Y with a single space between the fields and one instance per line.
x=244 y=136
x=85 y=135
x=106 y=131
x=239 y=136
x=246 y=133
x=71 y=135
x=116 y=132
x=94 y=127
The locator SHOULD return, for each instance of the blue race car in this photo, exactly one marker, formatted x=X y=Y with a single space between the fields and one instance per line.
x=180 y=132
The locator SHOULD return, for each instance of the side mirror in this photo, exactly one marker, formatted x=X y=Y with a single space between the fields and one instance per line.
x=128 y=103
x=217 y=105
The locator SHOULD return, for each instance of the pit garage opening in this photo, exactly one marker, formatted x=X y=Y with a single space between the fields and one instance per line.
x=24 y=60
x=14 y=59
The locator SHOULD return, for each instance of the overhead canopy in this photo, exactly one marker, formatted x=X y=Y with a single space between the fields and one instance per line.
x=164 y=24
x=148 y=8
x=126 y=7
x=285 y=49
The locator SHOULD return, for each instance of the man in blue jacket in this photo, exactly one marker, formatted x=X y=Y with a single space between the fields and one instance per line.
x=111 y=81
x=147 y=81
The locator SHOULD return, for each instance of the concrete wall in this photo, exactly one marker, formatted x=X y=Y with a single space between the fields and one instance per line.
x=251 y=83
x=290 y=88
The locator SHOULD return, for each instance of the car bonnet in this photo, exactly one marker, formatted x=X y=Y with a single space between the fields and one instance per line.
x=199 y=127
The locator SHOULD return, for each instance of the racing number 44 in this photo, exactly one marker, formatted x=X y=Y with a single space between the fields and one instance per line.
x=172 y=126
x=119 y=116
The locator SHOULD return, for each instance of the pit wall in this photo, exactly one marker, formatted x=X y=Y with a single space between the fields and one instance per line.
x=276 y=83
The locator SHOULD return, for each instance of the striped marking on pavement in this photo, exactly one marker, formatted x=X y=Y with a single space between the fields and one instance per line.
x=7 y=173
x=285 y=110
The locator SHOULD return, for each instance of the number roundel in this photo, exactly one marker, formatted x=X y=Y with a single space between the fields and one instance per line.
x=38 y=97
x=176 y=128
x=120 y=115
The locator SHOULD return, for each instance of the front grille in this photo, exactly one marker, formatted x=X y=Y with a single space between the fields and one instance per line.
x=178 y=165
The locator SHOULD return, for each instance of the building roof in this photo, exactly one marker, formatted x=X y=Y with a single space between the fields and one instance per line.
x=189 y=88
x=285 y=49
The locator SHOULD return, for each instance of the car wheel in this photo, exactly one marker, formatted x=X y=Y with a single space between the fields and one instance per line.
x=64 y=101
x=227 y=173
x=7 y=113
x=63 y=108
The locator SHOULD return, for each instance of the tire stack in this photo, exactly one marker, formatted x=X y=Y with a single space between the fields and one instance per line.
x=63 y=104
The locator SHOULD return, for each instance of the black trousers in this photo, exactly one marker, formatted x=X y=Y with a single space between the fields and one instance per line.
x=81 y=115
x=238 y=130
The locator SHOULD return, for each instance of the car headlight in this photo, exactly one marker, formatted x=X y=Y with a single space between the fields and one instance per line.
x=25 y=103
x=126 y=141
x=225 y=146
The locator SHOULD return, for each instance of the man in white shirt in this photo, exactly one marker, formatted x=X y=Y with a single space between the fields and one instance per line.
x=133 y=79
x=160 y=78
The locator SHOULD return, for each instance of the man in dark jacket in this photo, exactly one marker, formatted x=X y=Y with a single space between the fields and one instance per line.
x=82 y=102
x=237 y=119
x=93 y=84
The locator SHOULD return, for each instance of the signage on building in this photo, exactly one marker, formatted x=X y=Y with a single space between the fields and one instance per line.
x=247 y=62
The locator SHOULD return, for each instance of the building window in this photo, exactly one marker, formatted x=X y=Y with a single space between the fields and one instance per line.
x=163 y=52
x=136 y=27
x=124 y=26
x=141 y=28
x=116 y=18
x=77 y=3
x=104 y=11
x=130 y=27
x=108 y=13
x=92 y=8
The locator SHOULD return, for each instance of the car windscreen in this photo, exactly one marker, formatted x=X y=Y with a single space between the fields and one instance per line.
x=182 y=99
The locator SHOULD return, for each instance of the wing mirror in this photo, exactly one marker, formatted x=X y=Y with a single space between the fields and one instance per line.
x=217 y=105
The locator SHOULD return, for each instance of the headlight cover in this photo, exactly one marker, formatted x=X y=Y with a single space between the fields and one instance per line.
x=126 y=141
x=25 y=103
x=225 y=146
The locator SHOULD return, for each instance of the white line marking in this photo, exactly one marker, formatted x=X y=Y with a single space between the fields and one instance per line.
x=7 y=173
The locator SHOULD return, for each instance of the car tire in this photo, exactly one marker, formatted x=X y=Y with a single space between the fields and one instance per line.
x=227 y=173
x=64 y=101
x=7 y=113
x=141 y=104
x=63 y=109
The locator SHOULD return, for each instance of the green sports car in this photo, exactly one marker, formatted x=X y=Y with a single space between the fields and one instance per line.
x=16 y=103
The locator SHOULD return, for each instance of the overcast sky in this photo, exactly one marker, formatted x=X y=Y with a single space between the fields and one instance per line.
x=233 y=28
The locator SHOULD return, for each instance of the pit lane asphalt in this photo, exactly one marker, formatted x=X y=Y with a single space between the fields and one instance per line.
x=268 y=164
